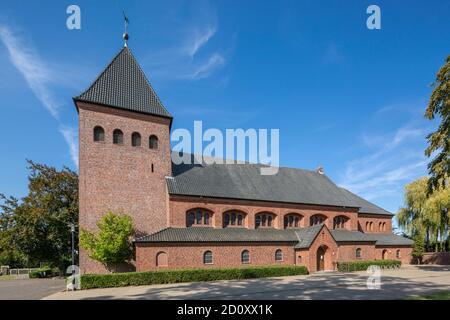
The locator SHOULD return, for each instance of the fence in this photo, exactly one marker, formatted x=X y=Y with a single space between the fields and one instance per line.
x=20 y=272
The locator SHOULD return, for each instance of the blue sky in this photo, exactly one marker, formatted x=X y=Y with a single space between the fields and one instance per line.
x=345 y=97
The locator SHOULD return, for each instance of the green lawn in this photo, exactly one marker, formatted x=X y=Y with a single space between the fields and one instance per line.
x=436 y=296
x=7 y=278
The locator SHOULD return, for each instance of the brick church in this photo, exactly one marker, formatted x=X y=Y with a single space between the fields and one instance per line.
x=209 y=216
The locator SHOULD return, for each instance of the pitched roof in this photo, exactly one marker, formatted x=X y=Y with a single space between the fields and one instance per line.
x=208 y=234
x=303 y=237
x=244 y=181
x=123 y=85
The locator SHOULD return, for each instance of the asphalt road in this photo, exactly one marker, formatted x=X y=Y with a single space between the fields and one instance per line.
x=29 y=289
x=395 y=284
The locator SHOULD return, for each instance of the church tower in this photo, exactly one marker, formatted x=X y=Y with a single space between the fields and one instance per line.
x=124 y=150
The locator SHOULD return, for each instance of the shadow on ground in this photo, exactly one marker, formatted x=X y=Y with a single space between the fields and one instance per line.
x=335 y=286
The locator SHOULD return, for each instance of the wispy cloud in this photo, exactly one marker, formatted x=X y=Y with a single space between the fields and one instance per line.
x=188 y=59
x=204 y=70
x=71 y=137
x=392 y=160
x=33 y=69
x=200 y=38
x=39 y=78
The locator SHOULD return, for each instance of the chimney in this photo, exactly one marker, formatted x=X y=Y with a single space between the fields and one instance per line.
x=320 y=170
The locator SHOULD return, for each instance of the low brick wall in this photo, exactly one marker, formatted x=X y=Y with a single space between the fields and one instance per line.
x=441 y=258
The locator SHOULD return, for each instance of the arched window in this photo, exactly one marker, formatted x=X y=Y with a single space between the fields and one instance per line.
x=398 y=254
x=161 y=259
x=367 y=226
x=292 y=220
x=384 y=226
x=316 y=219
x=99 y=134
x=371 y=226
x=233 y=218
x=135 y=139
x=197 y=217
x=153 y=142
x=380 y=226
x=264 y=220
x=358 y=253
x=339 y=222
x=279 y=255
x=208 y=257
x=245 y=257
x=117 y=136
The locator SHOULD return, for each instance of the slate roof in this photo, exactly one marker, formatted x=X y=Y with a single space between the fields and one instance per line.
x=208 y=234
x=123 y=85
x=244 y=181
x=303 y=237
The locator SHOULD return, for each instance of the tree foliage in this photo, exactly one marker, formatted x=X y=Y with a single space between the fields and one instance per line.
x=425 y=214
x=112 y=244
x=36 y=228
x=418 y=246
x=439 y=141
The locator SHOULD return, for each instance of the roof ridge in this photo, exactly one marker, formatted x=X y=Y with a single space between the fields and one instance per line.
x=146 y=79
x=101 y=73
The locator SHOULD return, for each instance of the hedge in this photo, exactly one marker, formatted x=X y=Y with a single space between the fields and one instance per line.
x=90 y=281
x=44 y=272
x=362 y=265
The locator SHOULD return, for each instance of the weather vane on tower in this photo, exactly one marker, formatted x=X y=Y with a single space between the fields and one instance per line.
x=125 y=34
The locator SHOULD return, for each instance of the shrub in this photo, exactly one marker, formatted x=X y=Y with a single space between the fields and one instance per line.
x=90 y=281
x=44 y=272
x=362 y=265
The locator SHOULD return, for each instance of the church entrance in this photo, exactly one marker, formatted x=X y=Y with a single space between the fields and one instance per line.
x=320 y=259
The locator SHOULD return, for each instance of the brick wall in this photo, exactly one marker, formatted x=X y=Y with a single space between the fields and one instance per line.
x=119 y=177
x=347 y=252
x=190 y=255
x=376 y=220
x=391 y=253
x=178 y=207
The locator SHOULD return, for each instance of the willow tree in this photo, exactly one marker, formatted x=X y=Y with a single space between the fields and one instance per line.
x=425 y=214
x=439 y=140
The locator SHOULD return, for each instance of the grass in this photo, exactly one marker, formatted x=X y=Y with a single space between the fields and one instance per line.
x=435 y=296
x=7 y=277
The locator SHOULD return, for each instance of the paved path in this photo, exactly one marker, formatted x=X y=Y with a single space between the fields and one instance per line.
x=395 y=284
x=29 y=289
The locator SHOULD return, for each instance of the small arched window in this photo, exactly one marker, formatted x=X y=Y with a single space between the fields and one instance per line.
x=398 y=254
x=358 y=253
x=135 y=139
x=339 y=222
x=245 y=257
x=292 y=220
x=197 y=217
x=279 y=255
x=371 y=226
x=99 y=134
x=161 y=259
x=316 y=219
x=233 y=218
x=117 y=136
x=264 y=220
x=208 y=257
x=384 y=226
x=367 y=226
x=153 y=142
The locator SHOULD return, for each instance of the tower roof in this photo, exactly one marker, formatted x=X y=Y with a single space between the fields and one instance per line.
x=123 y=85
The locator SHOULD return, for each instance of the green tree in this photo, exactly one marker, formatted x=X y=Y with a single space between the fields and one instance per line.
x=438 y=141
x=425 y=214
x=111 y=246
x=36 y=228
x=418 y=247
